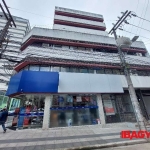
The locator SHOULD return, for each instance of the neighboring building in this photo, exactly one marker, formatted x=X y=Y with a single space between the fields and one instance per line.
x=13 y=47
x=74 y=70
x=12 y=52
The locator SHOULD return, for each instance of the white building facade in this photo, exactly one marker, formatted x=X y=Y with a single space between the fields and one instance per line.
x=12 y=49
x=72 y=74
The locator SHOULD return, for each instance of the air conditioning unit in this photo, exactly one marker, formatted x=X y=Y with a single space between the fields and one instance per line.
x=45 y=45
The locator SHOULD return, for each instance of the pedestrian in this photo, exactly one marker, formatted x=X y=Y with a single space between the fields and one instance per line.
x=3 y=118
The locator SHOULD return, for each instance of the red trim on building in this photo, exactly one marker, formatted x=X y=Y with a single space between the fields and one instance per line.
x=78 y=16
x=70 y=43
x=73 y=64
x=82 y=25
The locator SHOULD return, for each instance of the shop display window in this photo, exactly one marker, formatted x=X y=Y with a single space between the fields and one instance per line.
x=73 y=110
x=30 y=115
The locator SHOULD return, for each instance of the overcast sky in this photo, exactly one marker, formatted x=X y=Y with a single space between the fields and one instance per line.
x=41 y=12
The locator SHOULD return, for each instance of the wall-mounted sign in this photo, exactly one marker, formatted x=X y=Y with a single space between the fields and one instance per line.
x=108 y=106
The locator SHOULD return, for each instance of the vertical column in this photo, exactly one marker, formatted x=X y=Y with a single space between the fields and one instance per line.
x=46 y=117
x=101 y=109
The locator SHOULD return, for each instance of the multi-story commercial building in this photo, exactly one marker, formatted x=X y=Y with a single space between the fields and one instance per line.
x=12 y=49
x=73 y=73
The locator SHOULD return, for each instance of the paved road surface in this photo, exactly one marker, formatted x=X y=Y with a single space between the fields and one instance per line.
x=145 y=146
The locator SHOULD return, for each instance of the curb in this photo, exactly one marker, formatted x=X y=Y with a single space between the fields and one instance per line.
x=116 y=144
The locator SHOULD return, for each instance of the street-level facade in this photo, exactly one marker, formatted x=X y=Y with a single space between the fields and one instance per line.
x=72 y=74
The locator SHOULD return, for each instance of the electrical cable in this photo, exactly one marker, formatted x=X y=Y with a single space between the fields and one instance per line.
x=135 y=11
x=141 y=16
x=133 y=33
x=136 y=26
x=144 y=15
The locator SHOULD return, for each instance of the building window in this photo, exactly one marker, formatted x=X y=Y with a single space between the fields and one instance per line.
x=26 y=68
x=142 y=73
x=83 y=70
x=58 y=46
x=44 y=68
x=65 y=69
x=74 y=48
x=100 y=71
x=91 y=70
x=115 y=71
x=57 y=69
x=108 y=71
x=72 y=69
x=34 y=67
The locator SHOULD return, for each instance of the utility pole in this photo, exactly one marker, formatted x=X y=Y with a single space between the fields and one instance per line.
x=5 y=29
x=135 y=103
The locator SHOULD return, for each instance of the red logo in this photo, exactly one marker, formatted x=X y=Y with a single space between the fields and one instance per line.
x=135 y=134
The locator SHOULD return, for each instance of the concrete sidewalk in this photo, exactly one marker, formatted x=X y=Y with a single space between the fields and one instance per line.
x=82 y=137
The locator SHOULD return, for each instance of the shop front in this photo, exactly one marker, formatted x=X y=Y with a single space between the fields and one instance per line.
x=65 y=110
x=74 y=110
x=56 y=100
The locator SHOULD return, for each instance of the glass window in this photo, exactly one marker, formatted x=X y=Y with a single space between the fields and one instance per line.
x=81 y=48
x=1 y=100
x=74 y=110
x=148 y=73
x=74 y=69
x=58 y=46
x=64 y=69
x=122 y=72
x=116 y=71
x=34 y=67
x=100 y=71
x=91 y=70
x=83 y=70
x=142 y=73
x=108 y=71
x=75 y=47
x=5 y=100
x=45 y=68
x=26 y=68
x=57 y=69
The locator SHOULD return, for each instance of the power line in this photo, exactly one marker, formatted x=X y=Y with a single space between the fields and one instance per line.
x=133 y=33
x=136 y=26
x=135 y=11
x=141 y=16
x=30 y=12
x=144 y=15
